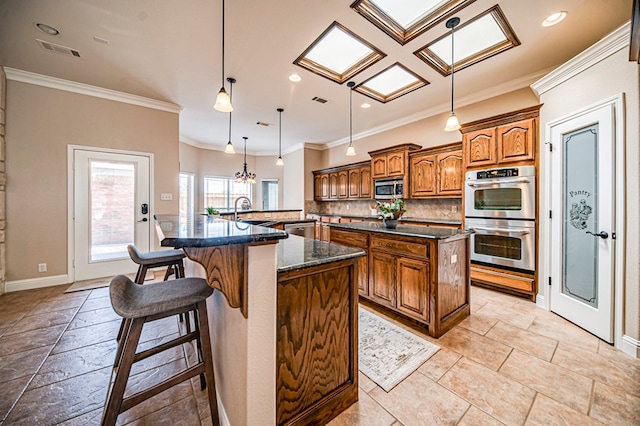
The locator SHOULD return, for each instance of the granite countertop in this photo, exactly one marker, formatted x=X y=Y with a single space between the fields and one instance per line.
x=230 y=211
x=405 y=230
x=204 y=231
x=297 y=253
x=455 y=222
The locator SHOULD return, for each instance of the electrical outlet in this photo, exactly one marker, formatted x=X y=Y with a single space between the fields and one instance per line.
x=454 y=209
x=166 y=196
x=267 y=215
x=454 y=258
x=42 y=267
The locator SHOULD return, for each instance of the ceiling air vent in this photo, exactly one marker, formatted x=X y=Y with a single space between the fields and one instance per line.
x=64 y=50
x=319 y=99
x=262 y=123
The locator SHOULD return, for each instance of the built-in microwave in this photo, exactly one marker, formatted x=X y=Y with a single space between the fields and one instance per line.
x=385 y=189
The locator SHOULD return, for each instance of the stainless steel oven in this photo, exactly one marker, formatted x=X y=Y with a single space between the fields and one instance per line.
x=508 y=193
x=505 y=242
x=385 y=189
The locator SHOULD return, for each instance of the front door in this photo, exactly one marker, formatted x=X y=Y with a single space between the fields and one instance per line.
x=111 y=211
x=582 y=224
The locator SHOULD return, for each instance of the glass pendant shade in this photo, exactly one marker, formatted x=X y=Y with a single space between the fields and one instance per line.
x=279 y=162
x=223 y=102
x=452 y=123
x=229 y=148
x=351 y=151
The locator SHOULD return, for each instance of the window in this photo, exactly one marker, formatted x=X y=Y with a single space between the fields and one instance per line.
x=186 y=194
x=221 y=192
x=269 y=194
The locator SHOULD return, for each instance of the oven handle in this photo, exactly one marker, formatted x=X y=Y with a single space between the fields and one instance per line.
x=498 y=181
x=499 y=230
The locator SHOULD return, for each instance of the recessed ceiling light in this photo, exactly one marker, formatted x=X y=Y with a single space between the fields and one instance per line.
x=295 y=78
x=365 y=105
x=47 y=29
x=554 y=19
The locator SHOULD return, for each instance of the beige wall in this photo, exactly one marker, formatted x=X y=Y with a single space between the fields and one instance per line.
x=41 y=123
x=207 y=162
x=613 y=75
x=293 y=180
x=429 y=132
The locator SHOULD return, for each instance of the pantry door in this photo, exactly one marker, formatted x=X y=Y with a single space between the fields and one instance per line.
x=583 y=220
x=111 y=210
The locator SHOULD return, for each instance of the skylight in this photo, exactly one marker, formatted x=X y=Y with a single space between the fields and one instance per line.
x=407 y=19
x=480 y=38
x=338 y=54
x=391 y=83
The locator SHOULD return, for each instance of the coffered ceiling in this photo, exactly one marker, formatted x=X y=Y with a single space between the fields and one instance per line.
x=171 y=51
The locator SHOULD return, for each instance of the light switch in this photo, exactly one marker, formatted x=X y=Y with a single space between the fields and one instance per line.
x=166 y=196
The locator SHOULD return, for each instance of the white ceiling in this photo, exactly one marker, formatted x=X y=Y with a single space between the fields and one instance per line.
x=170 y=50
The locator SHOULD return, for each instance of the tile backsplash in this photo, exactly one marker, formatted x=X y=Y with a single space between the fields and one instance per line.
x=440 y=208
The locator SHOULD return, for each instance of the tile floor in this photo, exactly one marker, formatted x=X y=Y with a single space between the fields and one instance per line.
x=509 y=363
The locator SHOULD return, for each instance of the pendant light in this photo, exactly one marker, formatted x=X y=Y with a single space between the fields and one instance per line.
x=452 y=122
x=229 y=148
x=351 y=151
x=245 y=176
x=223 y=101
x=280 y=161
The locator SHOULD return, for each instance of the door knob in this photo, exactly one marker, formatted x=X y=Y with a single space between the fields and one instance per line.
x=144 y=219
x=604 y=235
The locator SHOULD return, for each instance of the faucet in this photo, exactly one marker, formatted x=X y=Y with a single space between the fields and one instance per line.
x=235 y=206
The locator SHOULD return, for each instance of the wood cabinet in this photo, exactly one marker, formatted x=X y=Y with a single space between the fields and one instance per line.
x=504 y=139
x=424 y=279
x=349 y=182
x=392 y=162
x=360 y=241
x=436 y=172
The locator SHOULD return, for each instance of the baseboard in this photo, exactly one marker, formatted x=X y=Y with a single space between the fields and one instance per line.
x=32 y=283
x=630 y=346
x=222 y=415
x=541 y=302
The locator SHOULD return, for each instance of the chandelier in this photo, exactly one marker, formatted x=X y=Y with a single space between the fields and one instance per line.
x=245 y=176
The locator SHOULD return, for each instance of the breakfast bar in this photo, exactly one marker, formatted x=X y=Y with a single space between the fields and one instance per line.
x=284 y=319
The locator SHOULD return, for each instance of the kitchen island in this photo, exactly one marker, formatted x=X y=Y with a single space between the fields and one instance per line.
x=284 y=321
x=418 y=272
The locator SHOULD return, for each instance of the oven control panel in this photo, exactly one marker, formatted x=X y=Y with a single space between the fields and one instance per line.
x=498 y=173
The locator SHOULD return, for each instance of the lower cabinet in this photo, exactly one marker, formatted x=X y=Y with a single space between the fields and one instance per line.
x=382 y=278
x=361 y=241
x=413 y=287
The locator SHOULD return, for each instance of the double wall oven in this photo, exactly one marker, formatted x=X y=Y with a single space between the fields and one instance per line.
x=500 y=209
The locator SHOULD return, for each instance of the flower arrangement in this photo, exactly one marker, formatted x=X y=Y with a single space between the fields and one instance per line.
x=392 y=209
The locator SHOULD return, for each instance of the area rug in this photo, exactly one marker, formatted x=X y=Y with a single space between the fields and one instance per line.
x=388 y=353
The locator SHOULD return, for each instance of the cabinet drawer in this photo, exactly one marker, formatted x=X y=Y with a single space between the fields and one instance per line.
x=404 y=247
x=502 y=279
x=351 y=239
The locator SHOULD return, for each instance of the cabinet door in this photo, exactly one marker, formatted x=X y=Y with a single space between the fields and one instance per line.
x=379 y=166
x=333 y=185
x=515 y=141
x=354 y=183
x=450 y=173
x=365 y=182
x=317 y=188
x=382 y=278
x=423 y=176
x=325 y=232
x=324 y=183
x=317 y=234
x=395 y=164
x=343 y=184
x=480 y=147
x=413 y=288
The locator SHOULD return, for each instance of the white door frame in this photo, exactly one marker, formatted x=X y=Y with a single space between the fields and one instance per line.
x=544 y=291
x=71 y=270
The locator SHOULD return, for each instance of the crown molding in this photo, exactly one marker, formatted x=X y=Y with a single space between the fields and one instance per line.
x=202 y=145
x=444 y=107
x=610 y=44
x=86 y=89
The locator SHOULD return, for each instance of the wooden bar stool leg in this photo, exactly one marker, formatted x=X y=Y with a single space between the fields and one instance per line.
x=125 y=326
x=137 y=279
x=130 y=343
x=207 y=357
x=180 y=269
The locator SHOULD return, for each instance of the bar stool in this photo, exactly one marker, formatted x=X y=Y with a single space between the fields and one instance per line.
x=139 y=304
x=172 y=259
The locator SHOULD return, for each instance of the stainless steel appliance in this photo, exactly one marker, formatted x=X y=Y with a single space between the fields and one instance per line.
x=508 y=193
x=505 y=242
x=388 y=188
x=302 y=229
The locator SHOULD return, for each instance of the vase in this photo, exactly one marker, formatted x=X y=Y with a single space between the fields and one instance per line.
x=390 y=223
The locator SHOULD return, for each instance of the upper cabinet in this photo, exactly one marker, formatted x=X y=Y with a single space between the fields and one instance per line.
x=504 y=139
x=349 y=182
x=391 y=162
x=436 y=172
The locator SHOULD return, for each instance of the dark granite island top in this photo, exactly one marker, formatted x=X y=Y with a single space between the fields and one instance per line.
x=297 y=253
x=426 y=232
x=206 y=231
